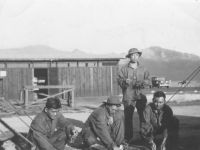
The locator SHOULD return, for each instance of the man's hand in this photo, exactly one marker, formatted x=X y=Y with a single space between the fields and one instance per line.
x=73 y=135
x=116 y=148
x=110 y=120
x=128 y=81
x=139 y=84
x=153 y=145
x=163 y=144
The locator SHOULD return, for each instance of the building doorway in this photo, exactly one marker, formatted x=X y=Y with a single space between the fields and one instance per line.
x=41 y=78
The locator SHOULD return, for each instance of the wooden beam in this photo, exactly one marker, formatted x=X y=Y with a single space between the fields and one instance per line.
x=40 y=100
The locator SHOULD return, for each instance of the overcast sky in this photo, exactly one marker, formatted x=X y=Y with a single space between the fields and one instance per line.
x=101 y=26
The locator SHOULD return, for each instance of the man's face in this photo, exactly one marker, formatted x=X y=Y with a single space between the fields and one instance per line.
x=159 y=102
x=134 y=57
x=51 y=112
x=112 y=108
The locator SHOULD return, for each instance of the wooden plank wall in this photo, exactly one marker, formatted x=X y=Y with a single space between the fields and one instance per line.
x=90 y=81
x=14 y=81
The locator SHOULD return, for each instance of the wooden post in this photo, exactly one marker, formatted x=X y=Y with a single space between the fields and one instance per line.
x=72 y=98
x=111 y=80
x=26 y=98
x=21 y=96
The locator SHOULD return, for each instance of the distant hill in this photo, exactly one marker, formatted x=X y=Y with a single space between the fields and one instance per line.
x=159 y=61
x=41 y=51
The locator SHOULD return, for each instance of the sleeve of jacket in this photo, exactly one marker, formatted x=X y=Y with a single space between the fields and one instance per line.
x=147 y=80
x=101 y=130
x=167 y=116
x=65 y=124
x=121 y=79
x=147 y=128
x=40 y=135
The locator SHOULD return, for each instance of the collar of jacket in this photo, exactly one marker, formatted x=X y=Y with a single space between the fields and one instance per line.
x=46 y=116
x=138 y=65
x=156 y=110
x=107 y=112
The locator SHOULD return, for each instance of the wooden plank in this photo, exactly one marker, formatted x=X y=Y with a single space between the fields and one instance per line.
x=19 y=83
x=115 y=84
x=47 y=86
x=77 y=85
x=30 y=81
x=118 y=87
x=40 y=100
x=71 y=78
x=72 y=99
x=87 y=81
x=82 y=73
x=26 y=98
x=91 y=82
x=5 y=85
x=113 y=80
x=100 y=82
x=67 y=75
x=108 y=79
x=104 y=84
x=95 y=81
x=15 y=84
x=10 y=84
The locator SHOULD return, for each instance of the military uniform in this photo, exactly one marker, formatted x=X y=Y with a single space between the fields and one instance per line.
x=133 y=95
x=97 y=126
x=160 y=122
x=50 y=134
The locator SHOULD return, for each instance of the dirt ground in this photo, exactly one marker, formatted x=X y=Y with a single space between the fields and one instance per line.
x=188 y=114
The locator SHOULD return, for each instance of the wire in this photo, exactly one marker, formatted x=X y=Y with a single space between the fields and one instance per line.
x=196 y=72
x=27 y=124
x=184 y=81
x=15 y=132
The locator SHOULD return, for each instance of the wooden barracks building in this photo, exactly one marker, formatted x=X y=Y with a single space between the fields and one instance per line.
x=91 y=77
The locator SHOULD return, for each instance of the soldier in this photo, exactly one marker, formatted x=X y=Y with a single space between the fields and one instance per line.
x=105 y=123
x=50 y=130
x=132 y=78
x=159 y=119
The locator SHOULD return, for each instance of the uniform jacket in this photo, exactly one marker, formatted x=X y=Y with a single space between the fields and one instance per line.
x=44 y=128
x=98 y=123
x=156 y=120
x=139 y=74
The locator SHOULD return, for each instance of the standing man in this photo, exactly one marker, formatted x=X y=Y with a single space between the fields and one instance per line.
x=132 y=78
x=50 y=130
x=105 y=123
x=159 y=119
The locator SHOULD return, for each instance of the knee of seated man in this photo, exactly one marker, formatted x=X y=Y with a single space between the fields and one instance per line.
x=175 y=120
x=175 y=123
x=90 y=141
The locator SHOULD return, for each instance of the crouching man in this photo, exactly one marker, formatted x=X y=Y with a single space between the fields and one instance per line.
x=159 y=119
x=50 y=130
x=105 y=123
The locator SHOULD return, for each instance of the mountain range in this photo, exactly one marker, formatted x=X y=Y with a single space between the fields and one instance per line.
x=159 y=61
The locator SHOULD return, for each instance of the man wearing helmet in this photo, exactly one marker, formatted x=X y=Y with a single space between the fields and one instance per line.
x=132 y=78
x=50 y=130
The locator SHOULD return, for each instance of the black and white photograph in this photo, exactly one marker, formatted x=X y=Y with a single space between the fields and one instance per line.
x=99 y=75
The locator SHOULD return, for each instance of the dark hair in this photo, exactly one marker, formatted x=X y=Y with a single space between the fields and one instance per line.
x=53 y=102
x=159 y=94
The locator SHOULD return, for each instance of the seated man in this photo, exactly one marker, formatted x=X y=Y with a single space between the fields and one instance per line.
x=105 y=123
x=50 y=130
x=158 y=119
